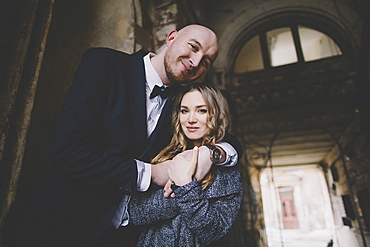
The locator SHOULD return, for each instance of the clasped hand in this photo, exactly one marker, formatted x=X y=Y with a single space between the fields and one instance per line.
x=182 y=169
x=186 y=165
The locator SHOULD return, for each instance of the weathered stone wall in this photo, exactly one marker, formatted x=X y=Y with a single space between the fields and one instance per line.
x=348 y=178
x=24 y=28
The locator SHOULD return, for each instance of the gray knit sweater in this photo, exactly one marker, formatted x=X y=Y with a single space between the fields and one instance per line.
x=195 y=217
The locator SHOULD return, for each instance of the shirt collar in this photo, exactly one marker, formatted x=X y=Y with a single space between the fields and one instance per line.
x=151 y=76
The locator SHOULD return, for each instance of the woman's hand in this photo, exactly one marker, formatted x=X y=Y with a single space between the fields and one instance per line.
x=182 y=170
x=168 y=192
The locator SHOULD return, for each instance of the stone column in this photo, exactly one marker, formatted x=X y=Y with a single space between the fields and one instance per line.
x=24 y=33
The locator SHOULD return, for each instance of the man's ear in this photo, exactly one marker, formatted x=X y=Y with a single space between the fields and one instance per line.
x=171 y=37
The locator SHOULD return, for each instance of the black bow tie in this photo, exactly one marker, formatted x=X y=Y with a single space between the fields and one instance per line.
x=163 y=91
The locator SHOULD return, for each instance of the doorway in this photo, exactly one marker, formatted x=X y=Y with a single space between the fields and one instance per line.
x=287 y=201
x=297 y=208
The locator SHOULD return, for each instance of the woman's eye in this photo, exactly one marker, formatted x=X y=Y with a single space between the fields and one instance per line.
x=183 y=111
x=203 y=110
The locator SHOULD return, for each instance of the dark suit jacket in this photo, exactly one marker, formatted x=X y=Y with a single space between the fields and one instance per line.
x=100 y=131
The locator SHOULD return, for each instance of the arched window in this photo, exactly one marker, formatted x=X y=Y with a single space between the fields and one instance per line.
x=284 y=45
x=316 y=45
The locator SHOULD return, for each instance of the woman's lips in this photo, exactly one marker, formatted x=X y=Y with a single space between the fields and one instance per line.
x=192 y=129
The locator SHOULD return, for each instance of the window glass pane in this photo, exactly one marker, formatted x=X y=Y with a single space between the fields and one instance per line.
x=316 y=45
x=281 y=47
x=250 y=57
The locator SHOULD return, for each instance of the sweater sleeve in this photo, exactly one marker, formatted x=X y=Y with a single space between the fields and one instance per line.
x=151 y=207
x=202 y=215
x=208 y=219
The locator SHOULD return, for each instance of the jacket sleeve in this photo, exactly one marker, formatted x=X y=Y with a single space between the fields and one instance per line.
x=151 y=207
x=209 y=219
x=78 y=151
x=233 y=141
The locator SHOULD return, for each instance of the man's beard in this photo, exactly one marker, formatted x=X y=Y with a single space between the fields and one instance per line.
x=175 y=79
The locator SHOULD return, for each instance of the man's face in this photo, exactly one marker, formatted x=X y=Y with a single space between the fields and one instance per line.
x=190 y=54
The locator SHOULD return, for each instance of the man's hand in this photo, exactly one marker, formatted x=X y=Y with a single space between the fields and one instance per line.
x=160 y=172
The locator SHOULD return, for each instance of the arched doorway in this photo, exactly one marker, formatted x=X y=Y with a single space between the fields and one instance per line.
x=299 y=79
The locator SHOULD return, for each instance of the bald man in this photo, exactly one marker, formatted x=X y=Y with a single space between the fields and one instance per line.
x=109 y=129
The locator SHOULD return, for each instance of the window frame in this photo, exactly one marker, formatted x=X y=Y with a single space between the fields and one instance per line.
x=262 y=33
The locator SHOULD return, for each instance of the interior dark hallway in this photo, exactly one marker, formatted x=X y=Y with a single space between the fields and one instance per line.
x=296 y=75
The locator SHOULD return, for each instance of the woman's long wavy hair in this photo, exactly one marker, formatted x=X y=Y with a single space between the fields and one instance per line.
x=218 y=124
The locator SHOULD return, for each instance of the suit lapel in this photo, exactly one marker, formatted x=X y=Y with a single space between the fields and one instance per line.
x=162 y=133
x=137 y=97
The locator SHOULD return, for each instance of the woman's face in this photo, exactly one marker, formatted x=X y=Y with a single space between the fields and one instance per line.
x=193 y=116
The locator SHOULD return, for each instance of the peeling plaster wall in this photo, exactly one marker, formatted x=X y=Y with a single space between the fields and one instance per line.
x=113 y=24
x=166 y=20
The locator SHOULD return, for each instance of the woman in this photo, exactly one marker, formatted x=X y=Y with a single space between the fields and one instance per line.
x=201 y=212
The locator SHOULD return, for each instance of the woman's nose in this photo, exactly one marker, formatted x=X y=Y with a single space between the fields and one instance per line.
x=192 y=118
